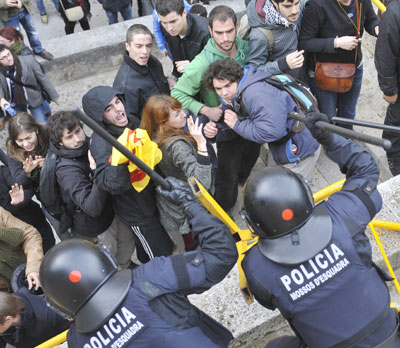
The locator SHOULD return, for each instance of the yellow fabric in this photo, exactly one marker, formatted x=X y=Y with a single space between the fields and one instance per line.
x=140 y=144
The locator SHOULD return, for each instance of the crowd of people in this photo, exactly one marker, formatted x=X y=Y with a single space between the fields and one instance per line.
x=207 y=119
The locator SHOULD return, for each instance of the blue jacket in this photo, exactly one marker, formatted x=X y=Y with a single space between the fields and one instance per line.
x=264 y=117
x=156 y=311
x=330 y=298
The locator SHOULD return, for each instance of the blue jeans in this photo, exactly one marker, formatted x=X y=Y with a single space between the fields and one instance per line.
x=40 y=113
x=26 y=20
x=42 y=9
x=126 y=14
x=345 y=103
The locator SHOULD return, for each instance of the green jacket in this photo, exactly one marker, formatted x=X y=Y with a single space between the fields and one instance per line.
x=4 y=9
x=190 y=83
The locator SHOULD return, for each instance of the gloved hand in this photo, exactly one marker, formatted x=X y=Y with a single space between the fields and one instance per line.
x=319 y=134
x=179 y=192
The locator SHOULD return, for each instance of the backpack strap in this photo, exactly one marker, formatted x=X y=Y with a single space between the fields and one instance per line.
x=270 y=38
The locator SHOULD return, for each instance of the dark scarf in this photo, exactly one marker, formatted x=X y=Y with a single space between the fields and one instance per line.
x=14 y=73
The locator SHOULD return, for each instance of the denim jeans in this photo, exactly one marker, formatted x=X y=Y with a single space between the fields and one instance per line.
x=40 y=113
x=42 y=9
x=126 y=14
x=26 y=20
x=345 y=103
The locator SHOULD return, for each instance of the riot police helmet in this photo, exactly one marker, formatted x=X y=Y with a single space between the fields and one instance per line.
x=82 y=281
x=278 y=207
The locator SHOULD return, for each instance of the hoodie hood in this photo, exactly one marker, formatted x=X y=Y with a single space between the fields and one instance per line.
x=96 y=100
x=212 y=53
x=251 y=75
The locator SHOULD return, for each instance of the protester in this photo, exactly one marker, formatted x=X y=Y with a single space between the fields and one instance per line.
x=27 y=321
x=141 y=74
x=88 y=207
x=24 y=86
x=137 y=210
x=17 y=12
x=19 y=243
x=42 y=10
x=184 y=155
x=27 y=146
x=84 y=22
x=387 y=62
x=112 y=7
x=14 y=40
x=273 y=39
x=321 y=40
x=185 y=34
x=258 y=113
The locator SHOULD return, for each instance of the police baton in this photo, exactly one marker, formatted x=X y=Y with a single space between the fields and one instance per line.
x=348 y=133
x=159 y=180
x=383 y=127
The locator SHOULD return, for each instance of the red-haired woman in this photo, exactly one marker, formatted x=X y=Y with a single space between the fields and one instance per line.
x=184 y=155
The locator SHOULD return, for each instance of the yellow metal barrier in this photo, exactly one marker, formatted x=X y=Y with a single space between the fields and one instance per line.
x=55 y=341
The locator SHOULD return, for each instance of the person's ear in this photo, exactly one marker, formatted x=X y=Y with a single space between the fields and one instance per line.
x=127 y=46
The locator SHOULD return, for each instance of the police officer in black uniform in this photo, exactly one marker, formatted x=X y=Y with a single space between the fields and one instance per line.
x=146 y=307
x=314 y=263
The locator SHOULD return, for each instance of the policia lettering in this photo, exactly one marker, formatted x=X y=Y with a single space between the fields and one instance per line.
x=301 y=281
x=118 y=331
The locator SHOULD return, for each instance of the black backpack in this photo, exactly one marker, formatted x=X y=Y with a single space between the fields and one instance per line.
x=48 y=189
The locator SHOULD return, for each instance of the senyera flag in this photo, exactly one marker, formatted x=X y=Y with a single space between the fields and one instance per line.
x=140 y=144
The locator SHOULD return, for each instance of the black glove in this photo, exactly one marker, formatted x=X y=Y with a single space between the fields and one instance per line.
x=179 y=192
x=319 y=134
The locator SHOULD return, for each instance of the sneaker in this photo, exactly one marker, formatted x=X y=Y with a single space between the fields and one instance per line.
x=44 y=18
x=45 y=55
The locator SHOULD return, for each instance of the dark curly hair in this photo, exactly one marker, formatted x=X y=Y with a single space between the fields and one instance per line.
x=223 y=69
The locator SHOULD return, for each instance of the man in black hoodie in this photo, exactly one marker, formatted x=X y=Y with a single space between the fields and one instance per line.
x=137 y=210
x=141 y=74
x=89 y=207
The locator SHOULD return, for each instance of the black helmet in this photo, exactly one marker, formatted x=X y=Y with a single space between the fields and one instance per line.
x=82 y=281
x=279 y=208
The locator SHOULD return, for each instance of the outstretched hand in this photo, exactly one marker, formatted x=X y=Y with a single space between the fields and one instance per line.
x=33 y=280
x=195 y=130
x=16 y=194
x=30 y=164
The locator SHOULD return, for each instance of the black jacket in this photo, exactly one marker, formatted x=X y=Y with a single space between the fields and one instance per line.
x=387 y=50
x=92 y=209
x=132 y=207
x=191 y=44
x=27 y=211
x=115 y=5
x=39 y=323
x=323 y=20
x=138 y=83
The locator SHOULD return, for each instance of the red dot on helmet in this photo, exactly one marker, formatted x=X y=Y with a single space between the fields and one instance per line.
x=287 y=214
x=75 y=276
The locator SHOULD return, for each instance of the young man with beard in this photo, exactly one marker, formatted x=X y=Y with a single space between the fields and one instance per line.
x=141 y=74
x=223 y=43
x=137 y=210
x=21 y=83
x=281 y=19
x=89 y=208
x=186 y=34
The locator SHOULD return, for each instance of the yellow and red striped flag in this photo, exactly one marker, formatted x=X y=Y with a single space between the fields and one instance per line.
x=140 y=144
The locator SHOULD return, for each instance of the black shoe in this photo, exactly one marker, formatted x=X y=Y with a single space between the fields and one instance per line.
x=45 y=55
